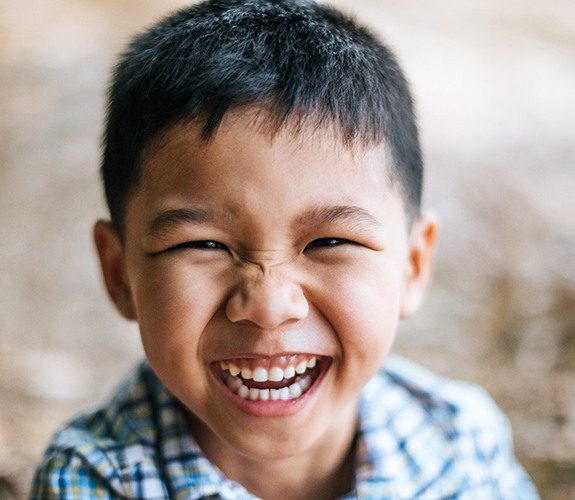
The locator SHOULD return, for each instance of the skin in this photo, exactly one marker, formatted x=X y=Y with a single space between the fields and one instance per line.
x=287 y=270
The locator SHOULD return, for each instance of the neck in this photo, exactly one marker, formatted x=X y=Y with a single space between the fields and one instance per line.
x=325 y=471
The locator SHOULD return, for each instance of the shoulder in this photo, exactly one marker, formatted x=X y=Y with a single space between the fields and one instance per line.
x=100 y=452
x=442 y=436
x=442 y=400
x=412 y=403
x=417 y=394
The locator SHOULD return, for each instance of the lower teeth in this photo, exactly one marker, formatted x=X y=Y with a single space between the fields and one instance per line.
x=294 y=391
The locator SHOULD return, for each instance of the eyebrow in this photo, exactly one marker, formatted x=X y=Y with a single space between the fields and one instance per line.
x=338 y=213
x=170 y=219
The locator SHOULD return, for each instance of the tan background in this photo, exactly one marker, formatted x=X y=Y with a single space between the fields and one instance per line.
x=495 y=84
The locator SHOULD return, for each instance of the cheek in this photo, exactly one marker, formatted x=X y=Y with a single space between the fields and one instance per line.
x=365 y=314
x=174 y=305
x=373 y=309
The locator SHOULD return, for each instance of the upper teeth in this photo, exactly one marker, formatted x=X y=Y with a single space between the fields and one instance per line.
x=274 y=374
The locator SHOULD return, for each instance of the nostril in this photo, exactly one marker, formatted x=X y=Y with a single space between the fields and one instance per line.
x=267 y=305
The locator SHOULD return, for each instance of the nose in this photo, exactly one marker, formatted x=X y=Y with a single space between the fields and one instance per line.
x=267 y=301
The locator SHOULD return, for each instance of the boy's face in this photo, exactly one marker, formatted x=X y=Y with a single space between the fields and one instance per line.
x=266 y=256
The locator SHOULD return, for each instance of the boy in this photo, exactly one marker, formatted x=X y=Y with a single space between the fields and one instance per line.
x=263 y=174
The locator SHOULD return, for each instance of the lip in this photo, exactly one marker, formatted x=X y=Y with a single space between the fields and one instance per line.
x=270 y=408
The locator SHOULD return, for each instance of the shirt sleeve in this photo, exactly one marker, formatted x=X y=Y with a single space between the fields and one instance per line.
x=494 y=449
x=65 y=473
x=512 y=480
x=78 y=464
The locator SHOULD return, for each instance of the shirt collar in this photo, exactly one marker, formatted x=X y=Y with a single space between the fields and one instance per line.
x=391 y=433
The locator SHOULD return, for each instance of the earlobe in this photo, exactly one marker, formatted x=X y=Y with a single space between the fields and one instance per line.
x=113 y=266
x=419 y=266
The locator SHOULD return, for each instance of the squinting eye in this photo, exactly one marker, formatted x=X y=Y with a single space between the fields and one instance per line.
x=211 y=244
x=326 y=242
x=200 y=245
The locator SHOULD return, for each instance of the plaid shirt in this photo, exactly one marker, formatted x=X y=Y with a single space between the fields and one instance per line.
x=419 y=436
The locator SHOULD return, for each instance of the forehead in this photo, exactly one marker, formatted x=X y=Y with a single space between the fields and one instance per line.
x=246 y=175
x=181 y=149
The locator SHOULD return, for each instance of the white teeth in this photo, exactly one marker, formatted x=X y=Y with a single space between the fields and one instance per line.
x=284 y=394
x=305 y=383
x=243 y=392
x=301 y=367
x=276 y=374
x=295 y=390
x=259 y=375
x=302 y=382
x=264 y=394
x=289 y=372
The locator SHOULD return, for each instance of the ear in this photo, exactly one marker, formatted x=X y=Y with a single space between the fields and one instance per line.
x=420 y=252
x=113 y=266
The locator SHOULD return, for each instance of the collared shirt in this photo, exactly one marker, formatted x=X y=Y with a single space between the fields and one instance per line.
x=419 y=436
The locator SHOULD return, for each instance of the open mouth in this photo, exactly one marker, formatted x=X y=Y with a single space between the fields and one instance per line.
x=281 y=379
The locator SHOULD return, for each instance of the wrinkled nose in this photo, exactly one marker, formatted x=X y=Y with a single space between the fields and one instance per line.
x=268 y=301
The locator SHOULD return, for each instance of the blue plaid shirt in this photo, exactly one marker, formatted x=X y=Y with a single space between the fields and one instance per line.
x=419 y=437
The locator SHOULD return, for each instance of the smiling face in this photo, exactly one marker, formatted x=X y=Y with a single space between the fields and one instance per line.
x=267 y=276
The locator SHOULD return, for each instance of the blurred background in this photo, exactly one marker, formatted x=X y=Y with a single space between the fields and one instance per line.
x=495 y=88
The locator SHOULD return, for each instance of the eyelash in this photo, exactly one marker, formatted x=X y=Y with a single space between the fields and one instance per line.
x=327 y=242
x=215 y=245
x=201 y=245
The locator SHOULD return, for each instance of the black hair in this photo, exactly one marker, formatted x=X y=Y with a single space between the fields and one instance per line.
x=295 y=59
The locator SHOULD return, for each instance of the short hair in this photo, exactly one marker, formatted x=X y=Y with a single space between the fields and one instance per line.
x=297 y=60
